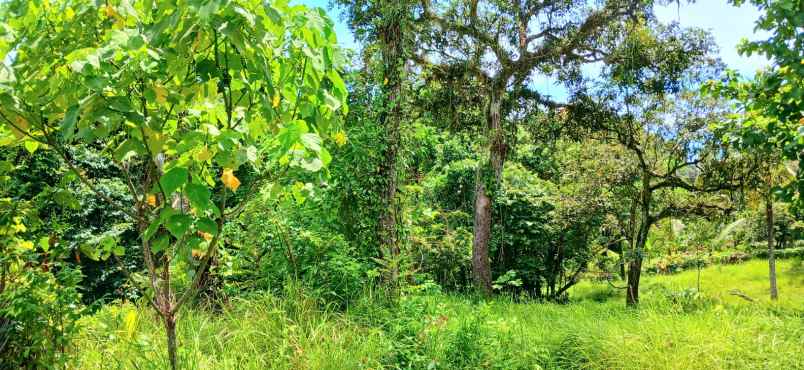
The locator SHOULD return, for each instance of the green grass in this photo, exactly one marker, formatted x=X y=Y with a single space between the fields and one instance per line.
x=717 y=283
x=672 y=329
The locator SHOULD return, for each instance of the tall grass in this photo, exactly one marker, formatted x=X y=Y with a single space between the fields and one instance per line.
x=258 y=332
x=674 y=328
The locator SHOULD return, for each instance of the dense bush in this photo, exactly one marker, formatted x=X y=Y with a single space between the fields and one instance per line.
x=77 y=218
x=274 y=242
x=39 y=299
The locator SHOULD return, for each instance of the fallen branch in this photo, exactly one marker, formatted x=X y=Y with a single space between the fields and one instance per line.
x=740 y=294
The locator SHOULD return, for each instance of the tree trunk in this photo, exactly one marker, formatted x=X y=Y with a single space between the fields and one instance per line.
x=393 y=63
x=170 y=329
x=635 y=263
x=634 y=272
x=481 y=266
x=771 y=258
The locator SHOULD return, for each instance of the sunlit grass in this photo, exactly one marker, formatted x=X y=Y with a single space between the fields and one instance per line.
x=715 y=330
x=717 y=282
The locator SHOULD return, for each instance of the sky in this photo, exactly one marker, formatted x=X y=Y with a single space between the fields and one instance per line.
x=728 y=25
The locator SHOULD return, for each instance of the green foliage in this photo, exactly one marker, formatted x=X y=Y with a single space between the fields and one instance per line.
x=76 y=218
x=542 y=234
x=180 y=89
x=39 y=298
x=183 y=97
x=277 y=241
x=771 y=104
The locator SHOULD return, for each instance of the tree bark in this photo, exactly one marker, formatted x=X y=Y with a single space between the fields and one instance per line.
x=635 y=263
x=634 y=272
x=170 y=329
x=771 y=258
x=481 y=266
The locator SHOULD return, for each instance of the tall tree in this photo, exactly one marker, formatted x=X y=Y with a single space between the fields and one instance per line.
x=386 y=25
x=646 y=106
x=771 y=105
x=499 y=45
x=770 y=118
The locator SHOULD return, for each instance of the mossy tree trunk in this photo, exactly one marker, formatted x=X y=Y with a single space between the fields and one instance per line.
x=484 y=203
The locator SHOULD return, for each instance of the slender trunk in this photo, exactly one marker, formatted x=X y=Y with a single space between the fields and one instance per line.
x=170 y=329
x=635 y=263
x=698 y=264
x=771 y=258
x=634 y=272
x=393 y=63
x=481 y=266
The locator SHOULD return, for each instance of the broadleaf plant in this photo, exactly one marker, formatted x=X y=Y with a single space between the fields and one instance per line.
x=183 y=96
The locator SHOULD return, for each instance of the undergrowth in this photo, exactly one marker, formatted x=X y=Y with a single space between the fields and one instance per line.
x=675 y=327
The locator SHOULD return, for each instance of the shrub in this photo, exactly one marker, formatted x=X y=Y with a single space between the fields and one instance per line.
x=688 y=300
x=266 y=249
x=39 y=299
x=38 y=311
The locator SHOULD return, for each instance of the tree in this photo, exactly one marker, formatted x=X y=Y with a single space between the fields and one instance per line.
x=183 y=97
x=646 y=106
x=499 y=45
x=771 y=108
x=386 y=24
x=770 y=118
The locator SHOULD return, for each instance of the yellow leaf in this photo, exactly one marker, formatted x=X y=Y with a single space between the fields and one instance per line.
x=161 y=94
x=110 y=12
x=229 y=179
x=130 y=322
x=151 y=200
x=69 y=14
x=21 y=124
x=203 y=155
x=206 y=236
x=340 y=138
x=275 y=102
x=20 y=228
x=26 y=245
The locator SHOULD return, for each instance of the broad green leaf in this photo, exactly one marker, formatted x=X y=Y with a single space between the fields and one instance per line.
x=207 y=225
x=128 y=148
x=312 y=165
x=44 y=243
x=199 y=196
x=68 y=123
x=31 y=146
x=326 y=158
x=311 y=141
x=160 y=244
x=291 y=134
x=178 y=224
x=152 y=228
x=332 y=102
x=173 y=179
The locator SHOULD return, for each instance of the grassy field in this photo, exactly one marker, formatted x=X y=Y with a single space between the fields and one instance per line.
x=674 y=328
